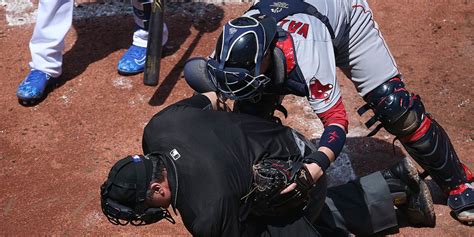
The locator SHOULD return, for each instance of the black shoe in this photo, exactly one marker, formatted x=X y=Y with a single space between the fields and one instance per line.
x=411 y=194
x=461 y=200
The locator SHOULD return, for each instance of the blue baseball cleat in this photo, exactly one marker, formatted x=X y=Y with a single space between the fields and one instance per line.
x=133 y=61
x=34 y=86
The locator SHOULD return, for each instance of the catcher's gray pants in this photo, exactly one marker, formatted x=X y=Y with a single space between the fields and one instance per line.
x=362 y=53
x=362 y=207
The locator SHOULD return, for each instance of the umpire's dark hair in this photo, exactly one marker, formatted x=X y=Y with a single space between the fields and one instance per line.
x=157 y=175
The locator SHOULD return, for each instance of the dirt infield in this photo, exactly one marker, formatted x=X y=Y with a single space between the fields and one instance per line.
x=55 y=155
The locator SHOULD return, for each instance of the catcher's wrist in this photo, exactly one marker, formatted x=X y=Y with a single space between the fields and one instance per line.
x=315 y=171
x=320 y=158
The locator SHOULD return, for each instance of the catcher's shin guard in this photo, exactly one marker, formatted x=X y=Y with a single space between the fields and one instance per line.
x=403 y=115
x=433 y=150
x=410 y=193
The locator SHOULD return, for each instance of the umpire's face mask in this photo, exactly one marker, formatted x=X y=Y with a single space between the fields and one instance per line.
x=118 y=214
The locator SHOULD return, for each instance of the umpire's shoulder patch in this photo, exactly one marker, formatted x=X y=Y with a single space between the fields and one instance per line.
x=175 y=154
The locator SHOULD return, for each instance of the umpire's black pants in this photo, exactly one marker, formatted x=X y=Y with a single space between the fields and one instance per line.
x=362 y=207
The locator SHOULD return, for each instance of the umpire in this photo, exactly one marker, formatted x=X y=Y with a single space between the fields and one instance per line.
x=203 y=163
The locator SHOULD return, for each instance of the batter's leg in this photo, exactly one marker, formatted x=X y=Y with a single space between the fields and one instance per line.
x=53 y=21
x=47 y=43
x=141 y=15
x=133 y=61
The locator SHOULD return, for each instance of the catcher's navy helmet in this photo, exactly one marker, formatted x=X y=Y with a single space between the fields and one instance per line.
x=235 y=68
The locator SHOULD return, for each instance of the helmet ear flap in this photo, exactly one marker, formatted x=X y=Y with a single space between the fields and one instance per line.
x=279 y=67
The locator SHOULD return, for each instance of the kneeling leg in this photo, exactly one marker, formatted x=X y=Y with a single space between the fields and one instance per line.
x=402 y=114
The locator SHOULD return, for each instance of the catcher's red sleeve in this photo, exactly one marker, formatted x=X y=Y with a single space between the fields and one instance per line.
x=335 y=115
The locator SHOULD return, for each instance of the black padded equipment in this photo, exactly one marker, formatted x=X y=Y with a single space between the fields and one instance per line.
x=278 y=72
x=402 y=113
x=399 y=112
x=435 y=153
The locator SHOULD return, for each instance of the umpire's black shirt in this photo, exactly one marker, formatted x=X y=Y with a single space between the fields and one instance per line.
x=209 y=156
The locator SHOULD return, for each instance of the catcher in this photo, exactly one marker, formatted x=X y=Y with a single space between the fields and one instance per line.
x=232 y=174
x=294 y=46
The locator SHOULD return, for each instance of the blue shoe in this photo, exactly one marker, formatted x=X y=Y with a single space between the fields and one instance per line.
x=133 y=61
x=33 y=86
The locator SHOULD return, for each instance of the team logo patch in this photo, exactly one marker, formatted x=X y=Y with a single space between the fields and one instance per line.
x=333 y=136
x=318 y=90
x=175 y=154
x=277 y=7
x=140 y=61
x=136 y=159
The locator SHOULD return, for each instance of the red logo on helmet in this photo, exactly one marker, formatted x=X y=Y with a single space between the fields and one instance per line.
x=318 y=90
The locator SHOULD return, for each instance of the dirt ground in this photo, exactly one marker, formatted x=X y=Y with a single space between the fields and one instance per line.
x=55 y=155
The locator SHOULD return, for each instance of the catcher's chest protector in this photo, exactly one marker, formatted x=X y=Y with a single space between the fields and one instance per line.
x=286 y=72
x=283 y=8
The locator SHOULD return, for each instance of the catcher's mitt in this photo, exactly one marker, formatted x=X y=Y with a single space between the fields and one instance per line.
x=270 y=178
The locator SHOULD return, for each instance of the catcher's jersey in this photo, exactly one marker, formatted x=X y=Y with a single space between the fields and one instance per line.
x=209 y=157
x=358 y=49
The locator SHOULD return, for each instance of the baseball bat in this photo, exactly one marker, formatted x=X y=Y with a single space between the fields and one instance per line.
x=154 y=47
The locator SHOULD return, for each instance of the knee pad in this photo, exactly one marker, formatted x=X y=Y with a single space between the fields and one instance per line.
x=403 y=115
x=399 y=112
